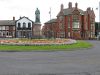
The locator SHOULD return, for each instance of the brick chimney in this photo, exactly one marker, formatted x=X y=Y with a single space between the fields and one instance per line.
x=70 y=5
x=89 y=8
x=13 y=18
x=62 y=7
x=76 y=5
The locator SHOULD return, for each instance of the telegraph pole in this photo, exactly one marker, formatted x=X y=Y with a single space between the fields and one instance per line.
x=50 y=30
x=98 y=26
x=51 y=33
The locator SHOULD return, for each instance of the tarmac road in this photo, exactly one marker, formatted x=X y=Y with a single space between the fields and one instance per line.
x=79 y=62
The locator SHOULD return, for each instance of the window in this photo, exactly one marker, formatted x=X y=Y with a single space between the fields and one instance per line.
x=62 y=34
x=75 y=18
x=24 y=25
x=68 y=34
x=19 y=25
x=61 y=18
x=7 y=27
x=69 y=22
x=75 y=24
x=10 y=33
x=3 y=33
x=7 y=33
x=29 y=25
x=3 y=28
x=75 y=21
x=61 y=26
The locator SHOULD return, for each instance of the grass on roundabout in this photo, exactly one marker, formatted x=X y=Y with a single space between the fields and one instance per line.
x=75 y=46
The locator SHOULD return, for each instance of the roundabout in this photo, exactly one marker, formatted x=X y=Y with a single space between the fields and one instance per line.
x=27 y=45
x=28 y=42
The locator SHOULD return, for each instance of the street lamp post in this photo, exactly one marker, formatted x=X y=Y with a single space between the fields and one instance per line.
x=99 y=20
x=98 y=26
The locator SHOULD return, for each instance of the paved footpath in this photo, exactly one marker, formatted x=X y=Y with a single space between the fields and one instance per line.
x=79 y=62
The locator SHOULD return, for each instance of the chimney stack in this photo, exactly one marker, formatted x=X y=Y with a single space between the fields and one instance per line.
x=70 y=5
x=62 y=7
x=76 y=5
x=13 y=18
x=88 y=9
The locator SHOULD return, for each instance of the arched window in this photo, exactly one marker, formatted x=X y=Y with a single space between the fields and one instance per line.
x=29 y=25
x=19 y=25
x=24 y=25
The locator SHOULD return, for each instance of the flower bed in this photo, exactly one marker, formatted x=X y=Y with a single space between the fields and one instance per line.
x=36 y=41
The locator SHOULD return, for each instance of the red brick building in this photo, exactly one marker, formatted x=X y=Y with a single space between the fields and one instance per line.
x=71 y=22
x=7 y=28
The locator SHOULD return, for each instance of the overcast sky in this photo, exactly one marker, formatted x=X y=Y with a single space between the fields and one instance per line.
x=17 y=8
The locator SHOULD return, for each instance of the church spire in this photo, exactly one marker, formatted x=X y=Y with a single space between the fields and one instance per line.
x=37 y=16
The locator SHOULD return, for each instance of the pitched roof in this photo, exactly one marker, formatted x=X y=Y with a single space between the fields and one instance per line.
x=7 y=22
x=52 y=21
x=69 y=11
x=91 y=13
x=24 y=17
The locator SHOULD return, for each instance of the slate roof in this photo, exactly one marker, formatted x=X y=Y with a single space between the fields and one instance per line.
x=69 y=11
x=11 y=22
x=24 y=17
x=7 y=22
x=52 y=21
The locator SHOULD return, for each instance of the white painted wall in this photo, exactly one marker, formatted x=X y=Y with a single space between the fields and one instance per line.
x=22 y=21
